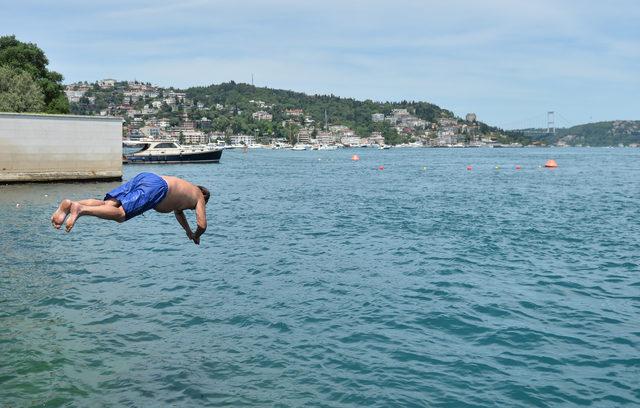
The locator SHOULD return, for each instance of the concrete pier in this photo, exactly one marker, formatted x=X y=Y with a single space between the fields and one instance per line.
x=36 y=147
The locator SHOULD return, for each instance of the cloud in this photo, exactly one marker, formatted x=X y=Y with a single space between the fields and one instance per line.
x=501 y=58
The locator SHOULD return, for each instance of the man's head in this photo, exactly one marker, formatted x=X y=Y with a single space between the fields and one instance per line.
x=205 y=193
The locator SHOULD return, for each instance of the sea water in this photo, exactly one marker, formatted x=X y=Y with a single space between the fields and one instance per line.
x=323 y=281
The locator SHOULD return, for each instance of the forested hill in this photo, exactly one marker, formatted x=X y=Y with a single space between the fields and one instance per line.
x=613 y=133
x=347 y=111
x=242 y=109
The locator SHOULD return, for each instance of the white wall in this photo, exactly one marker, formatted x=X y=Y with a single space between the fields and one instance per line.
x=36 y=147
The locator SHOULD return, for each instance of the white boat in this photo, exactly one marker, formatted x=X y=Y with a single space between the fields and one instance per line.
x=299 y=147
x=167 y=151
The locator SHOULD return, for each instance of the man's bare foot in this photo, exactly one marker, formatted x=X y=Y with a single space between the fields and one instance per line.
x=74 y=213
x=61 y=213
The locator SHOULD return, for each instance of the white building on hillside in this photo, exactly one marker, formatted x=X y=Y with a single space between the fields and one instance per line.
x=377 y=117
x=262 y=115
x=243 y=139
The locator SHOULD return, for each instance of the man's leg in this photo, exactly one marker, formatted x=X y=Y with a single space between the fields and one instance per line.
x=92 y=202
x=106 y=212
x=61 y=213
x=65 y=205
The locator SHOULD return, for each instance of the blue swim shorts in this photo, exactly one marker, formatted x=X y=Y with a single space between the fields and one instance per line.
x=139 y=194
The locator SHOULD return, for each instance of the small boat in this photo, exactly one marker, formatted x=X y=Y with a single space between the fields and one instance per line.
x=164 y=151
x=299 y=147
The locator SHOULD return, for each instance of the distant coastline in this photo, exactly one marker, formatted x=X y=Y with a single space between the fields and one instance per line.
x=236 y=113
x=244 y=114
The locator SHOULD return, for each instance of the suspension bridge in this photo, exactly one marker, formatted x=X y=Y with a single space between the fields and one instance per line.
x=541 y=125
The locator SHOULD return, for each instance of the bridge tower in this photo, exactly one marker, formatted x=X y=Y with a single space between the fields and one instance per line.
x=551 y=122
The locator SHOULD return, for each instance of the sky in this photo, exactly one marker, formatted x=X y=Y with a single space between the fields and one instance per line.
x=510 y=62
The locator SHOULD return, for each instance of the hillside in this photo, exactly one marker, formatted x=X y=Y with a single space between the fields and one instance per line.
x=611 y=133
x=345 y=111
x=236 y=109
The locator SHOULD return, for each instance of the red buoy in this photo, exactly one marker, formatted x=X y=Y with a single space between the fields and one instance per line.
x=469 y=168
x=518 y=167
x=381 y=168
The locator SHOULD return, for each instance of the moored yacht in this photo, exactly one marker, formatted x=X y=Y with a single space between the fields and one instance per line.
x=165 y=151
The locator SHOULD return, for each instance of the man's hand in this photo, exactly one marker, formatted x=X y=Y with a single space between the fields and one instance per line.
x=196 y=235
x=192 y=237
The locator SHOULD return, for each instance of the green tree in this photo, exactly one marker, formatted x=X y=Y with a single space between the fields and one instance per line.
x=19 y=92
x=27 y=58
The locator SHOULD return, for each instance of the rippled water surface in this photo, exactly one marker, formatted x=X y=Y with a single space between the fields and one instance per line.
x=327 y=282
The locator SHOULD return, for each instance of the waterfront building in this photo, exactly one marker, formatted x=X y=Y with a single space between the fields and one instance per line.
x=304 y=136
x=376 y=137
x=350 y=141
x=243 y=139
x=194 y=137
x=325 y=138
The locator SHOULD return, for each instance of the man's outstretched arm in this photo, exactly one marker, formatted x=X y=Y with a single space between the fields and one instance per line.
x=185 y=224
x=201 y=220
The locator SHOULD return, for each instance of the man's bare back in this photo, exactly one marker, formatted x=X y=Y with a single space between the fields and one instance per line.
x=181 y=196
x=144 y=192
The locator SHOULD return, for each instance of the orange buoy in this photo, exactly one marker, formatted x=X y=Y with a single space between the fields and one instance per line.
x=381 y=168
x=469 y=168
x=518 y=167
x=551 y=164
x=355 y=157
